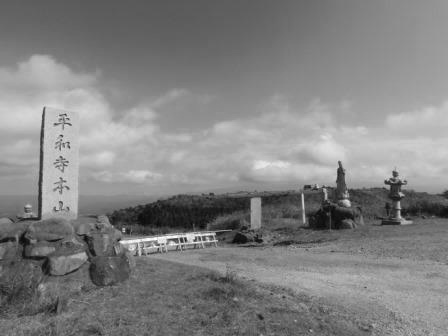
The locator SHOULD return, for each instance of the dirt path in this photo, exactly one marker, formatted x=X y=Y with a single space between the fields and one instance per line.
x=397 y=296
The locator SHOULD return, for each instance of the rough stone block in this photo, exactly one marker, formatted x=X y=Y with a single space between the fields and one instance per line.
x=51 y=229
x=8 y=250
x=60 y=264
x=73 y=243
x=247 y=237
x=39 y=250
x=83 y=229
x=347 y=224
x=340 y=213
x=117 y=235
x=13 y=231
x=103 y=227
x=101 y=244
x=103 y=219
x=107 y=271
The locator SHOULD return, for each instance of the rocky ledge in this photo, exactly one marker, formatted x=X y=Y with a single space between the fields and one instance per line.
x=87 y=248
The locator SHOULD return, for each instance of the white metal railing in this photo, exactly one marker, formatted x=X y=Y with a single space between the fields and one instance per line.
x=163 y=243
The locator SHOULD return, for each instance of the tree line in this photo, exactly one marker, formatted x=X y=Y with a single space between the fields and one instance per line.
x=180 y=211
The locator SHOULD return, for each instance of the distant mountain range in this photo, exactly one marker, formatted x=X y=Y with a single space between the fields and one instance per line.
x=12 y=205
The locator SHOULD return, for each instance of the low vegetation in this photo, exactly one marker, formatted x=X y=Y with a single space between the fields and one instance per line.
x=179 y=211
x=233 y=221
x=222 y=212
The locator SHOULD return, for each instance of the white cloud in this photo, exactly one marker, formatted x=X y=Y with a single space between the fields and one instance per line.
x=179 y=97
x=44 y=72
x=131 y=176
x=139 y=115
x=103 y=176
x=324 y=151
x=140 y=176
x=261 y=164
x=16 y=152
x=42 y=81
x=169 y=97
x=98 y=159
x=282 y=143
x=428 y=121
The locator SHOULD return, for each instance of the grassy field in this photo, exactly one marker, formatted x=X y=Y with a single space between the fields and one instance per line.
x=424 y=240
x=164 y=298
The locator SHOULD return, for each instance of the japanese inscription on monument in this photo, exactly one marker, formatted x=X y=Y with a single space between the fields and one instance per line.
x=59 y=164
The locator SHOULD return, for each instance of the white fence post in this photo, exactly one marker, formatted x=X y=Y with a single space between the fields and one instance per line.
x=303 y=209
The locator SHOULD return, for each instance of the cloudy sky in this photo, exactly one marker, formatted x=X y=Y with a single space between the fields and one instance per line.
x=204 y=95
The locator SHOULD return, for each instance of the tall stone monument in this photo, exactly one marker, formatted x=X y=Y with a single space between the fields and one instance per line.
x=341 y=193
x=396 y=196
x=255 y=213
x=59 y=164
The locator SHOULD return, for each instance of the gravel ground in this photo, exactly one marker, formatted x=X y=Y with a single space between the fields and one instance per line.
x=394 y=278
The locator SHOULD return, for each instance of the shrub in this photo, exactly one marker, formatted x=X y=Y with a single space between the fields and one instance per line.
x=427 y=208
x=233 y=221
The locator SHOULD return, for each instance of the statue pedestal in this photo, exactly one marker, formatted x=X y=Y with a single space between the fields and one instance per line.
x=394 y=221
x=345 y=203
x=395 y=216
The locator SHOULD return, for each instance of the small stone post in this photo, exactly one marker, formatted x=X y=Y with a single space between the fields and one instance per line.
x=59 y=164
x=255 y=213
x=303 y=209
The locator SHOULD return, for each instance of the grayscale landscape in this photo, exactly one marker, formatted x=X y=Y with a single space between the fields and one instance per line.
x=210 y=168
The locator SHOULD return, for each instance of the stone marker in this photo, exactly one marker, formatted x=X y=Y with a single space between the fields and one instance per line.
x=59 y=164
x=302 y=197
x=255 y=213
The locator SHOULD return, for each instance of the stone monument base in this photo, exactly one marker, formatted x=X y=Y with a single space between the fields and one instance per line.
x=396 y=222
x=345 y=203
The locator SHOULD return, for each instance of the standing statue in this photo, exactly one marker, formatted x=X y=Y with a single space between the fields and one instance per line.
x=341 y=194
x=27 y=212
x=396 y=196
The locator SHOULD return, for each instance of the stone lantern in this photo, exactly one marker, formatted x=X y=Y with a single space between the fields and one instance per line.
x=396 y=196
